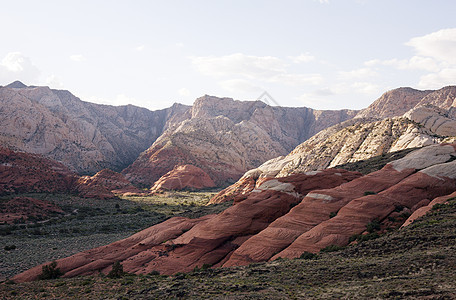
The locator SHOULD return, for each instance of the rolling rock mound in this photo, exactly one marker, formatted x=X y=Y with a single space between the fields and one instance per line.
x=27 y=173
x=186 y=177
x=225 y=138
x=84 y=136
x=25 y=208
x=32 y=173
x=280 y=217
x=194 y=242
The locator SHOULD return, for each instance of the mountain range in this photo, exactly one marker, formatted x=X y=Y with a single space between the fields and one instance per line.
x=291 y=191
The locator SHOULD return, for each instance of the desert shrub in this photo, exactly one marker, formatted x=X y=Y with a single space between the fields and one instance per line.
x=438 y=206
x=367 y=193
x=331 y=248
x=398 y=208
x=117 y=270
x=10 y=247
x=373 y=226
x=332 y=214
x=367 y=237
x=308 y=255
x=154 y=273
x=50 y=271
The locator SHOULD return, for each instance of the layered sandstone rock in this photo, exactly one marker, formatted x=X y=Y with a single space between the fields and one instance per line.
x=25 y=208
x=186 y=177
x=180 y=244
x=424 y=209
x=84 y=136
x=225 y=138
x=30 y=173
x=104 y=184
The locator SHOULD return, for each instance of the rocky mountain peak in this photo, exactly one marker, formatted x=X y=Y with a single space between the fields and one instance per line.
x=393 y=103
x=16 y=85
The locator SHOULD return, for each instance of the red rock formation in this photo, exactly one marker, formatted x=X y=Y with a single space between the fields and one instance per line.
x=104 y=184
x=186 y=177
x=31 y=173
x=180 y=244
x=436 y=179
x=423 y=210
x=28 y=173
x=25 y=208
x=260 y=223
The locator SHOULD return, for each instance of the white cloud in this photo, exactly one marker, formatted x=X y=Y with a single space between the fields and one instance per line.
x=303 y=58
x=440 y=45
x=140 y=48
x=297 y=79
x=16 y=66
x=414 y=63
x=446 y=76
x=323 y=1
x=240 y=86
x=238 y=64
x=54 y=82
x=357 y=74
x=184 y=92
x=366 y=88
x=77 y=57
x=262 y=68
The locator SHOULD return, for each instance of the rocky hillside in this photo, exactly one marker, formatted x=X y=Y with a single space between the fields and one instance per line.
x=32 y=173
x=86 y=137
x=282 y=218
x=431 y=121
x=225 y=138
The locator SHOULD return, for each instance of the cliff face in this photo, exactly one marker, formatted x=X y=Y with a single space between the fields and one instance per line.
x=86 y=137
x=431 y=121
x=225 y=138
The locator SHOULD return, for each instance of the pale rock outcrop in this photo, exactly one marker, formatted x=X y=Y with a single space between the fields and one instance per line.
x=86 y=137
x=393 y=103
x=225 y=138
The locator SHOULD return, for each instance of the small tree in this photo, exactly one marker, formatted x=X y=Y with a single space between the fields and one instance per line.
x=117 y=270
x=50 y=271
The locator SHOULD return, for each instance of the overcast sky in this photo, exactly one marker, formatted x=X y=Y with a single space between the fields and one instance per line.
x=324 y=54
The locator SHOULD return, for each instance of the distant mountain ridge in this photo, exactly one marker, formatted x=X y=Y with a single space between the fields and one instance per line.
x=225 y=138
x=222 y=136
x=430 y=119
x=86 y=137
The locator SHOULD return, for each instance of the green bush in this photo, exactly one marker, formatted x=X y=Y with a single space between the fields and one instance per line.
x=332 y=214
x=308 y=255
x=10 y=247
x=331 y=248
x=373 y=226
x=50 y=271
x=367 y=193
x=117 y=271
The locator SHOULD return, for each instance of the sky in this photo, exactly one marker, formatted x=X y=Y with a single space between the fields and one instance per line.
x=323 y=54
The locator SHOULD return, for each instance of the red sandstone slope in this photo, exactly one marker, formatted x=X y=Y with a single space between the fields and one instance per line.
x=24 y=208
x=31 y=173
x=26 y=173
x=261 y=223
x=208 y=240
x=184 y=177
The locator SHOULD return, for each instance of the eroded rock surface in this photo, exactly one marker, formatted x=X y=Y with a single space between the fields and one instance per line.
x=225 y=138
x=180 y=244
x=84 y=136
x=186 y=177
